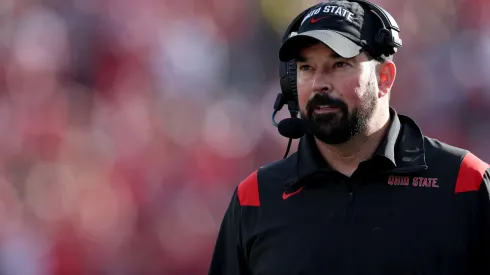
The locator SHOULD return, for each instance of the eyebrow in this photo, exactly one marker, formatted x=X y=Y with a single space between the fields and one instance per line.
x=333 y=55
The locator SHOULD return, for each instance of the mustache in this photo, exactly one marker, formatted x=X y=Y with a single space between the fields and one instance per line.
x=324 y=99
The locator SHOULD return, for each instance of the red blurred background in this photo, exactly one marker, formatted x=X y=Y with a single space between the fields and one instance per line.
x=126 y=125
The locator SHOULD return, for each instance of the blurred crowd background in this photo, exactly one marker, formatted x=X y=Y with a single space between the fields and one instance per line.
x=126 y=125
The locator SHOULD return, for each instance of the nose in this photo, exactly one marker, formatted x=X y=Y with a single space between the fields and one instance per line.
x=322 y=83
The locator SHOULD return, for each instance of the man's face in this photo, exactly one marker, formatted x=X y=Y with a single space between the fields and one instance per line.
x=337 y=96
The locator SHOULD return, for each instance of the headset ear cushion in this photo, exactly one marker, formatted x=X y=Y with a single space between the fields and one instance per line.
x=284 y=79
x=384 y=39
x=292 y=78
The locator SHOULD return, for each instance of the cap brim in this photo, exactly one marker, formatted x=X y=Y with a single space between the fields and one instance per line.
x=340 y=44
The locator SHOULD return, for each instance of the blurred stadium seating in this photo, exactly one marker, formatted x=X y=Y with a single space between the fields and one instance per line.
x=126 y=125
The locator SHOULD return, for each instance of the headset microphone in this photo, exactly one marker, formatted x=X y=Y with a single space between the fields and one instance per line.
x=293 y=127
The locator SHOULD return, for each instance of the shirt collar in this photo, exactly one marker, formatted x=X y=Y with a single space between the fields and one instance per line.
x=401 y=150
x=386 y=147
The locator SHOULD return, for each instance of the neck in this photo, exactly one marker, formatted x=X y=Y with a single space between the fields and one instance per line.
x=346 y=157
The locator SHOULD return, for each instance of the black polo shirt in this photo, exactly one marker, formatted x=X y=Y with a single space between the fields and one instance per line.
x=418 y=206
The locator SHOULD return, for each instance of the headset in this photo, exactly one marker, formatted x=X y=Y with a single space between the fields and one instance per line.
x=386 y=43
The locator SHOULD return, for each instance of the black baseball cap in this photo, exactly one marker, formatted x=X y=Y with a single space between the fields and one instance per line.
x=346 y=27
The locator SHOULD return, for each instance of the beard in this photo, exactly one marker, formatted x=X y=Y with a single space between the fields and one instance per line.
x=340 y=126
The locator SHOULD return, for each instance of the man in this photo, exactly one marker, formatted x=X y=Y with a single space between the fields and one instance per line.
x=366 y=193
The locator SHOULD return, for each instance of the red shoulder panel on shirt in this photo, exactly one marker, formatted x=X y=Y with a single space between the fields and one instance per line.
x=470 y=175
x=248 y=191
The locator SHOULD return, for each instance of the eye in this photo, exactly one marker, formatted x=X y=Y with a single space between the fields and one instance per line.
x=340 y=64
x=304 y=67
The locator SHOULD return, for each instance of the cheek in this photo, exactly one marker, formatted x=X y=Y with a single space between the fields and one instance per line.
x=304 y=93
x=352 y=93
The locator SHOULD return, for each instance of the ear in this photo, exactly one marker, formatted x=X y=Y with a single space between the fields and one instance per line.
x=386 y=77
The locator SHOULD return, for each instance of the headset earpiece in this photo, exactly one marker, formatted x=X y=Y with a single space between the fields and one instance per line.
x=292 y=77
x=384 y=40
x=383 y=37
x=387 y=38
x=286 y=88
